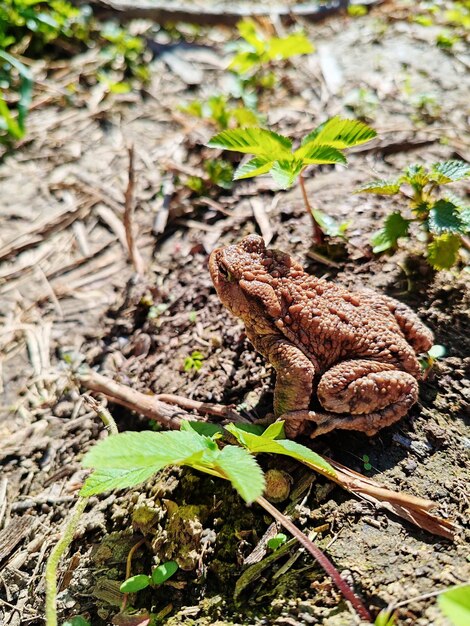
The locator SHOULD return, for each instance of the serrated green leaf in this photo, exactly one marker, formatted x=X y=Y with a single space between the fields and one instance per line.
x=135 y=583
x=449 y=171
x=455 y=604
x=254 y=167
x=285 y=173
x=312 y=153
x=382 y=187
x=416 y=176
x=257 y=141
x=243 y=471
x=259 y=443
x=395 y=226
x=163 y=572
x=443 y=251
x=108 y=479
x=445 y=217
x=134 y=450
x=289 y=46
x=341 y=133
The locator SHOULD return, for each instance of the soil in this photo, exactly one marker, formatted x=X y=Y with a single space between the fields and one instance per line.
x=69 y=295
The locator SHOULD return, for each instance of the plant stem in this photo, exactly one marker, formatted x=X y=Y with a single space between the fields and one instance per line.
x=318 y=236
x=67 y=536
x=54 y=558
x=318 y=555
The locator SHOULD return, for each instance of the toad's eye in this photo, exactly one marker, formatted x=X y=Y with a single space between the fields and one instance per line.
x=224 y=271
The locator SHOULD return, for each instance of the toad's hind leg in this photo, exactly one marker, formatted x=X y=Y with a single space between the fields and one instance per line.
x=369 y=394
x=416 y=333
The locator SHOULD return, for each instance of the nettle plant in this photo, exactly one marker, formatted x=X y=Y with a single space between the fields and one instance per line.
x=219 y=111
x=274 y=154
x=443 y=218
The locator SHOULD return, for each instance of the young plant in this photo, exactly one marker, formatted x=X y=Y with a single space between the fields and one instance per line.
x=273 y=153
x=455 y=604
x=443 y=218
x=217 y=172
x=141 y=581
x=193 y=362
x=219 y=112
x=14 y=76
x=255 y=51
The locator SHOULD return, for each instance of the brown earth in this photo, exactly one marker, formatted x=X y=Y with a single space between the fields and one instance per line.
x=66 y=287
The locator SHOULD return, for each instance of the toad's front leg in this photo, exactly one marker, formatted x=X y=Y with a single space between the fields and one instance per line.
x=294 y=380
x=369 y=394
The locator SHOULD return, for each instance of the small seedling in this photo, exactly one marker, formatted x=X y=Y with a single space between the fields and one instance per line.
x=193 y=362
x=428 y=360
x=385 y=618
x=221 y=113
x=277 y=541
x=273 y=153
x=217 y=172
x=141 y=581
x=255 y=51
x=443 y=218
x=365 y=460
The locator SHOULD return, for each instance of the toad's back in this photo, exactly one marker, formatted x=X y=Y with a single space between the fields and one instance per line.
x=331 y=324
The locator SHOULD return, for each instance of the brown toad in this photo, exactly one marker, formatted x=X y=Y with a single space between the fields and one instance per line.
x=357 y=350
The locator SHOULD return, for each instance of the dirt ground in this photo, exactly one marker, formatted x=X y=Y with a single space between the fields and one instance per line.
x=67 y=288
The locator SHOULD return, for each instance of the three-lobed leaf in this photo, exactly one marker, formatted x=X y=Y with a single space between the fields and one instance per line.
x=128 y=459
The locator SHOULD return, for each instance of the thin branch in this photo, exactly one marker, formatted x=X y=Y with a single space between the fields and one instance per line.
x=129 y=206
x=319 y=556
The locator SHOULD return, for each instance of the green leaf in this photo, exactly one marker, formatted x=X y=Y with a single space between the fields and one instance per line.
x=443 y=251
x=341 y=133
x=135 y=583
x=257 y=141
x=285 y=173
x=202 y=428
x=78 y=620
x=247 y=29
x=445 y=217
x=286 y=47
x=385 y=618
x=455 y=604
x=395 y=226
x=312 y=153
x=275 y=431
x=243 y=471
x=108 y=479
x=329 y=225
x=254 y=167
x=163 y=572
x=449 y=171
x=383 y=187
x=276 y=542
x=416 y=176
x=128 y=459
x=260 y=443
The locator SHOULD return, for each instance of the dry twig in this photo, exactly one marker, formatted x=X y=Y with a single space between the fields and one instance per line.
x=128 y=217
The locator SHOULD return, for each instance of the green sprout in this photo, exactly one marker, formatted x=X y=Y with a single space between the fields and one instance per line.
x=193 y=362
